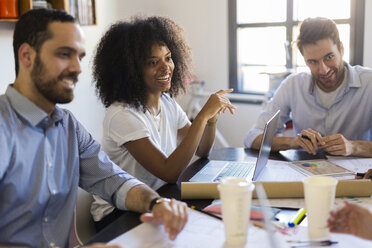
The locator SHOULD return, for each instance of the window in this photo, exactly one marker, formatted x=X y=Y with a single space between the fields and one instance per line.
x=261 y=36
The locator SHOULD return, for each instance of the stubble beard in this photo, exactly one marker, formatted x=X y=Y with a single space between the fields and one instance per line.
x=339 y=76
x=48 y=87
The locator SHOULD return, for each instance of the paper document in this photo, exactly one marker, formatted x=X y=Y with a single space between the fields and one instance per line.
x=320 y=167
x=344 y=240
x=351 y=163
x=204 y=231
x=200 y=231
x=279 y=171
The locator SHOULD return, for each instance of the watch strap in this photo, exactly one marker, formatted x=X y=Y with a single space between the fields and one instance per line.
x=157 y=200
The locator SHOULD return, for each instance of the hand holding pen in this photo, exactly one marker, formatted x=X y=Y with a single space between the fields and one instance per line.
x=366 y=175
x=337 y=144
x=310 y=140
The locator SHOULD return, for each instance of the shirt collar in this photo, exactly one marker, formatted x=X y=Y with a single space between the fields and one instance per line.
x=28 y=110
x=353 y=79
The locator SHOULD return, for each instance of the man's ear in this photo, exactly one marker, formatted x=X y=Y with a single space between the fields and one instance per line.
x=26 y=55
x=342 y=49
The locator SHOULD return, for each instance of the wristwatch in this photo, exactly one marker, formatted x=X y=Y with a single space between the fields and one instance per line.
x=157 y=200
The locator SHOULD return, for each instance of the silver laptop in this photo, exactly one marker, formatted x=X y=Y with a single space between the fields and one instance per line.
x=214 y=170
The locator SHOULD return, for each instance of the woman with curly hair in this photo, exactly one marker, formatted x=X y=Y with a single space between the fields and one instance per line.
x=139 y=66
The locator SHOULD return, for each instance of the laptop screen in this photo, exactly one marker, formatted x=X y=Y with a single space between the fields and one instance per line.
x=216 y=169
x=267 y=139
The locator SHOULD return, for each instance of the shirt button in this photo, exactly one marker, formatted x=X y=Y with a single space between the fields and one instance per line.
x=50 y=164
x=45 y=219
x=54 y=191
x=52 y=244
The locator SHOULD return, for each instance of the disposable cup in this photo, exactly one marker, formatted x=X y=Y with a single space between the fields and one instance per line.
x=319 y=194
x=236 y=197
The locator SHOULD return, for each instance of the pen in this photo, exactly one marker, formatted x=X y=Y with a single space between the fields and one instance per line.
x=278 y=225
x=205 y=212
x=305 y=137
x=360 y=174
x=297 y=218
x=308 y=243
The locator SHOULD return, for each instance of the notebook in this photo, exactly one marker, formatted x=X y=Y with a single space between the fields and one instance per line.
x=214 y=170
x=320 y=167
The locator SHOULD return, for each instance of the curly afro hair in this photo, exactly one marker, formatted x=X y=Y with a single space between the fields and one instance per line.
x=121 y=55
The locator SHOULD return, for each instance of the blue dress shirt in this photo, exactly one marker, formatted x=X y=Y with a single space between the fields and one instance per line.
x=297 y=99
x=43 y=160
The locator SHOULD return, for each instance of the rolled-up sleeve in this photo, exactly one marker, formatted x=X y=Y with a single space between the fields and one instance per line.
x=98 y=174
x=121 y=195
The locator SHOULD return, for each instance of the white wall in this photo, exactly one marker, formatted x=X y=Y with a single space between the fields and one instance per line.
x=206 y=26
x=7 y=72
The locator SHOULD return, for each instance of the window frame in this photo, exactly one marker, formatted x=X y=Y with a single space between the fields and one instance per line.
x=356 y=22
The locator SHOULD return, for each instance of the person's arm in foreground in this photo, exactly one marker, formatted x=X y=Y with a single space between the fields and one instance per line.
x=102 y=177
x=173 y=215
x=169 y=168
x=352 y=219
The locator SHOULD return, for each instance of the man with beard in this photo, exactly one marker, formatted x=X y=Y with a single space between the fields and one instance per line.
x=330 y=107
x=46 y=154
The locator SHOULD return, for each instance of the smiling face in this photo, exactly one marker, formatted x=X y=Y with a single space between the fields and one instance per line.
x=325 y=62
x=158 y=69
x=57 y=64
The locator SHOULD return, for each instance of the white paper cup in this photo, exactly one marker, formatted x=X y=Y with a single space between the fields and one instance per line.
x=319 y=194
x=236 y=197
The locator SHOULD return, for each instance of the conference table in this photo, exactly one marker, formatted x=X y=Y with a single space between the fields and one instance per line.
x=129 y=220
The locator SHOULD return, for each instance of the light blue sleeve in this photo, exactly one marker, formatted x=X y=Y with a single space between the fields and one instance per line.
x=4 y=148
x=6 y=143
x=281 y=100
x=121 y=194
x=98 y=174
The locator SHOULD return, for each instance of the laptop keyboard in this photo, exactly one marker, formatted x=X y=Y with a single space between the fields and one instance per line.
x=235 y=169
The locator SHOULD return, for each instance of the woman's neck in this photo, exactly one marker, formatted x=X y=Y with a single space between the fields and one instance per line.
x=153 y=104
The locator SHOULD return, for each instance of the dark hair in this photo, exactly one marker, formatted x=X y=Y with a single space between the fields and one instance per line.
x=315 y=29
x=32 y=28
x=121 y=55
